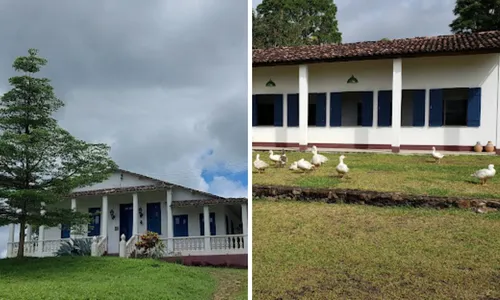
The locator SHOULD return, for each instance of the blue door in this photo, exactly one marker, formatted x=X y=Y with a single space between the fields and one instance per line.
x=94 y=228
x=154 y=217
x=181 y=225
x=65 y=231
x=126 y=214
x=212 y=224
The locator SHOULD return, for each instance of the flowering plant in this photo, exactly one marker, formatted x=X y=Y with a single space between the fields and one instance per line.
x=150 y=245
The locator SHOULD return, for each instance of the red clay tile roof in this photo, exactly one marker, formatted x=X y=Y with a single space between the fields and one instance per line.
x=202 y=202
x=163 y=183
x=123 y=190
x=160 y=185
x=484 y=42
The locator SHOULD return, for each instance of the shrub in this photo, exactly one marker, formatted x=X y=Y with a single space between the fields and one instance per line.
x=75 y=247
x=150 y=245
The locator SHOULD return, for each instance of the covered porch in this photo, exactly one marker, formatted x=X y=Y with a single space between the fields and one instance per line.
x=186 y=226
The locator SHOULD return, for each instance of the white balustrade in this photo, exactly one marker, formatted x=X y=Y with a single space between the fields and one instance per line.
x=227 y=242
x=130 y=246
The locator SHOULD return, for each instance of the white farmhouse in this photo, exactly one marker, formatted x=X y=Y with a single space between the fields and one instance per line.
x=408 y=94
x=196 y=226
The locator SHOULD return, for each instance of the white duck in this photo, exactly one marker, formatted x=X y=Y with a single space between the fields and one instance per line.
x=484 y=174
x=304 y=165
x=259 y=164
x=294 y=166
x=342 y=168
x=316 y=160
x=437 y=156
x=276 y=158
x=323 y=159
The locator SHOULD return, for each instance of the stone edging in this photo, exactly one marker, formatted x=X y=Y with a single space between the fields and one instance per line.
x=367 y=197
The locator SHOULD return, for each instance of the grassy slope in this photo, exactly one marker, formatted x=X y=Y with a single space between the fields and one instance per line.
x=321 y=251
x=414 y=174
x=115 y=278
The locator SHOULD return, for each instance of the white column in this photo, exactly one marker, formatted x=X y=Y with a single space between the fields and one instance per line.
x=10 y=246
x=303 y=105
x=29 y=233
x=244 y=222
x=206 y=225
x=135 y=216
x=41 y=238
x=170 y=222
x=73 y=208
x=164 y=218
x=498 y=108
x=104 y=216
x=397 y=85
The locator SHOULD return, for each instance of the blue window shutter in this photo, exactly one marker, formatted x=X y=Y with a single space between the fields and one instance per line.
x=436 y=108
x=278 y=110
x=384 y=109
x=367 y=109
x=321 y=110
x=254 y=110
x=335 y=109
x=419 y=108
x=293 y=110
x=474 y=108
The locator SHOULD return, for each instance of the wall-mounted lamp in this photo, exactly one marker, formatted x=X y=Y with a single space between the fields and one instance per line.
x=112 y=214
x=140 y=212
x=270 y=83
x=352 y=79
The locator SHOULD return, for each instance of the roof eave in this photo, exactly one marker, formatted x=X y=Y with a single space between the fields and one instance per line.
x=375 y=57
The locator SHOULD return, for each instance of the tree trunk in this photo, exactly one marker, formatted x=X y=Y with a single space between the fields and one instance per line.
x=22 y=234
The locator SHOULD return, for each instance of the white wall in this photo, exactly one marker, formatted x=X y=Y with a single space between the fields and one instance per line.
x=116 y=181
x=194 y=218
x=418 y=73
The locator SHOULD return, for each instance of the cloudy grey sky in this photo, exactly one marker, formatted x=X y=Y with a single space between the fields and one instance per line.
x=163 y=82
x=365 y=20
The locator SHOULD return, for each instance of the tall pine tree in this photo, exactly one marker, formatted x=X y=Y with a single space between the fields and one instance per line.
x=278 y=23
x=476 y=16
x=40 y=162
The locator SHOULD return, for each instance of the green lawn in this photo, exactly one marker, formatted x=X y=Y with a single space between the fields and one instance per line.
x=412 y=174
x=116 y=278
x=337 y=251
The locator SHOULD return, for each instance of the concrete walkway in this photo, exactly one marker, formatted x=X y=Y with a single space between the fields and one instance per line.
x=385 y=151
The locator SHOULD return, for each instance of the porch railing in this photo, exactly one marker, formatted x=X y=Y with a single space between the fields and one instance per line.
x=217 y=244
x=130 y=247
x=227 y=242
x=193 y=243
x=48 y=247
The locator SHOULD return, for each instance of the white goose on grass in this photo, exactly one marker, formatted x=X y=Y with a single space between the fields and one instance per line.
x=342 y=168
x=437 y=156
x=276 y=158
x=305 y=165
x=320 y=158
x=294 y=166
x=259 y=164
x=484 y=174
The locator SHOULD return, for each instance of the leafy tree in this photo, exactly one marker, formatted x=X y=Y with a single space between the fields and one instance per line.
x=40 y=162
x=476 y=16
x=295 y=22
